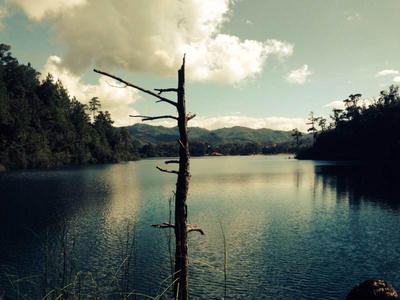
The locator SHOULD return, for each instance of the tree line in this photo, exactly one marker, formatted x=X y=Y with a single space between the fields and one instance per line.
x=42 y=126
x=204 y=149
x=360 y=131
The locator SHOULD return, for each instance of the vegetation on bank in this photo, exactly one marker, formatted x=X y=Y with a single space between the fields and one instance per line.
x=204 y=149
x=361 y=131
x=161 y=141
x=158 y=134
x=42 y=126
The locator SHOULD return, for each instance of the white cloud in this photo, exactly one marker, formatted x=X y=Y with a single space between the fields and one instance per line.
x=153 y=35
x=277 y=123
x=339 y=104
x=39 y=9
x=278 y=48
x=117 y=101
x=386 y=72
x=396 y=79
x=299 y=76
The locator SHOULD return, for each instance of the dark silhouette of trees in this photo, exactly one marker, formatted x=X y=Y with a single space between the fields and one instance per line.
x=390 y=97
x=297 y=135
x=362 y=132
x=93 y=107
x=180 y=227
x=322 y=123
x=351 y=105
x=336 y=117
x=41 y=126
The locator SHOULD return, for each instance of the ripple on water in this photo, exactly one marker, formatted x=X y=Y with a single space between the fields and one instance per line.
x=293 y=229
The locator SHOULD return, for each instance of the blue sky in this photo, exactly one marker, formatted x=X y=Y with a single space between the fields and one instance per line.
x=256 y=63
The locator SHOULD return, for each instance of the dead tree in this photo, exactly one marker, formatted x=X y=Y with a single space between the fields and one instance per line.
x=181 y=228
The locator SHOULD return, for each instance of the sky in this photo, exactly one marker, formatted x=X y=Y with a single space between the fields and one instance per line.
x=253 y=63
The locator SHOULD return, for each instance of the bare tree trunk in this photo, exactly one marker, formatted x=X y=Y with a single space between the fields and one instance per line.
x=182 y=186
x=181 y=227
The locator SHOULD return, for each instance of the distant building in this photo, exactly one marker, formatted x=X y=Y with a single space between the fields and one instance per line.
x=216 y=154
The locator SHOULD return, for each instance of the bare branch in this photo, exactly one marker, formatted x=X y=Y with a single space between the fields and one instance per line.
x=191 y=228
x=167 y=171
x=116 y=86
x=160 y=91
x=163 y=225
x=168 y=101
x=189 y=117
x=148 y=118
x=162 y=99
x=171 y=162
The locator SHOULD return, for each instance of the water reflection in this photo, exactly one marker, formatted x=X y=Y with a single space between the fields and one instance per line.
x=358 y=183
x=294 y=229
x=125 y=193
x=34 y=200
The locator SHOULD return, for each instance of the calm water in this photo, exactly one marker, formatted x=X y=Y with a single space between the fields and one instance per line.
x=294 y=229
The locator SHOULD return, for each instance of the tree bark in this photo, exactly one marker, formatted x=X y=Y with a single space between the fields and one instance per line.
x=181 y=227
x=182 y=186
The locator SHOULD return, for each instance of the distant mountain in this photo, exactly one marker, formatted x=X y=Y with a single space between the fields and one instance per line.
x=263 y=136
x=240 y=135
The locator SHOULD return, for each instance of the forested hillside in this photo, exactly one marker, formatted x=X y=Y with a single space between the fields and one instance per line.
x=159 y=134
x=42 y=126
x=161 y=141
x=361 y=132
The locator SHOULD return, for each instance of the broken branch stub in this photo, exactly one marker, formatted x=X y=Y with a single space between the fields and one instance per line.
x=167 y=171
x=160 y=91
x=171 y=162
x=189 y=117
x=189 y=228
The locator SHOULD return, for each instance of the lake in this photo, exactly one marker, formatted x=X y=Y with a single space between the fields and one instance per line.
x=293 y=229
